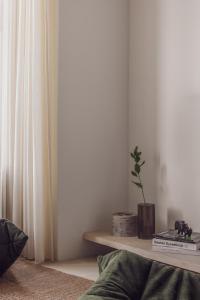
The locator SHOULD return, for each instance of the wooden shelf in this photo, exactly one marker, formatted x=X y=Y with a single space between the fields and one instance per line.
x=143 y=248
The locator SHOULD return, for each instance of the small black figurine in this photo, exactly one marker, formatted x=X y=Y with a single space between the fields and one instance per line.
x=183 y=229
x=179 y=225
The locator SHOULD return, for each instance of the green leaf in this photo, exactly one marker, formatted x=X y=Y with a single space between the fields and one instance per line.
x=137 y=159
x=137 y=168
x=133 y=173
x=136 y=150
x=142 y=163
x=138 y=184
x=132 y=155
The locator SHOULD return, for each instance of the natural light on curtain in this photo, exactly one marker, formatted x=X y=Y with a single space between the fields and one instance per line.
x=28 y=42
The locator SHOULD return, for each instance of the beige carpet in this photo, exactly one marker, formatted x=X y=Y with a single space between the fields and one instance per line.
x=25 y=280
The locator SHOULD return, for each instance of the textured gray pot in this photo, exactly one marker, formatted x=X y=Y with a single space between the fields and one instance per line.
x=124 y=224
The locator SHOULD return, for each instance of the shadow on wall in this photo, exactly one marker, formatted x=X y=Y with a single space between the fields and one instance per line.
x=161 y=197
x=178 y=121
x=165 y=106
x=173 y=214
x=186 y=141
x=144 y=93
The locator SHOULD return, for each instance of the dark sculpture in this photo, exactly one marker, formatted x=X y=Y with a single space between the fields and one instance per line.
x=183 y=229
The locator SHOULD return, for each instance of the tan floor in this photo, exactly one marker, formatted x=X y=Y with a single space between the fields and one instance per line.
x=85 y=267
x=26 y=280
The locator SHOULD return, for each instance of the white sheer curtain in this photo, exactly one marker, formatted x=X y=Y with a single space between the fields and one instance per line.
x=28 y=39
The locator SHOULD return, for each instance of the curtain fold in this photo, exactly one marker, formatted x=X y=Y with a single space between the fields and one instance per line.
x=28 y=100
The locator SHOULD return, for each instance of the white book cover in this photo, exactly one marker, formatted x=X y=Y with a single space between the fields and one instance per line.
x=175 y=244
x=175 y=251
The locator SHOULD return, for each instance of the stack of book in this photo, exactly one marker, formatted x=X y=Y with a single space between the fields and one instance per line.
x=170 y=241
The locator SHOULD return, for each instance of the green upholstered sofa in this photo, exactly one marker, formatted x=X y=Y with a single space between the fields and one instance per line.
x=126 y=276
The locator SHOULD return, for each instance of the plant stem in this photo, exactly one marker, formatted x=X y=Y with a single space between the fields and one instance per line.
x=142 y=188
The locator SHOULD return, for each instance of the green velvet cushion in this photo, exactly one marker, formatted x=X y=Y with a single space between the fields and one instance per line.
x=119 y=270
x=170 y=283
x=127 y=276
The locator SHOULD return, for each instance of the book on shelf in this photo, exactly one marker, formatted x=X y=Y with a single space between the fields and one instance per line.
x=175 y=244
x=173 y=240
x=175 y=251
x=173 y=235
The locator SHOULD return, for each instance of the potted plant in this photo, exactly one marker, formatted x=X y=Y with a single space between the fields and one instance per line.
x=146 y=211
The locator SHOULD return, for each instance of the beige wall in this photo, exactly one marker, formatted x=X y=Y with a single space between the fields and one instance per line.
x=93 y=119
x=164 y=112
x=165 y=105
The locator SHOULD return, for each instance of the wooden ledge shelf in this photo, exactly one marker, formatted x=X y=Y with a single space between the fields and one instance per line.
x=143 y=248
